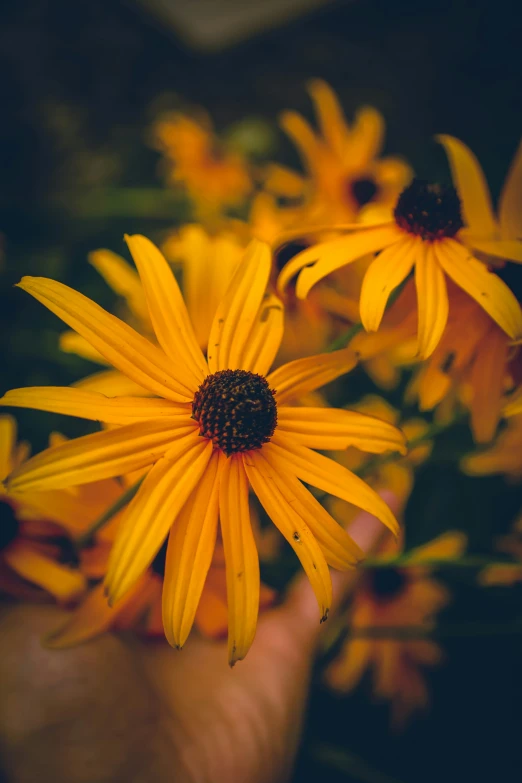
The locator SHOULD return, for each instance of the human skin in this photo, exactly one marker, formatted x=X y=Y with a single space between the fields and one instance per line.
x=121 y=709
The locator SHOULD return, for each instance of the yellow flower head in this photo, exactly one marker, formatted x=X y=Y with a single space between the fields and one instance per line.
x=214 y=177
x=426 y=234
x=216 y=425
x=342 y=161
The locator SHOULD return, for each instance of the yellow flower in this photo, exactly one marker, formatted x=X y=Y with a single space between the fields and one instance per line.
x=215 y=426
x=504 y=456
x=214 y=177
x=426 y=233
x=401 y=600
x=342 y=163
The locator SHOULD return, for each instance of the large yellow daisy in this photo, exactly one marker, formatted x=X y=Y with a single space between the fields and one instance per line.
x=426 y=233
x=217 y=425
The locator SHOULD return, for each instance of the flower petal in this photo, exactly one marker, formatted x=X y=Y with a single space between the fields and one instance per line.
x=326 y=257
x=189 y=555
x=487 y=380
x=485 y=287
x=501 y=248
x=301 y=134
x=432 y=301
x=242 y=561
x=98 y=456
x=509 y=211
x=319 y=471
x=111 y=383
x=386 y=272
x=121 y=346
x=301 y=376
x=293 y=528
x=333 y=428
x=7 y=444
x=265 y=337
x=167 y=309
x=71 y=342
x=64 y=583
x=334 y=128
x=339 y=549
x=124 y=281
x=471 y=186
x=94 y=406
x=151 y=514
x=239 y=309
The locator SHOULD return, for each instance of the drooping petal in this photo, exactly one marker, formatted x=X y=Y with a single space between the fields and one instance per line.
x=189 y=555
x=333 y=428
x=265 y=337
x=98 y=456
x=432 y=301
x=487 y=381
x=242 y=561
x=301 y=376
x=509 y=211
x=326 y=257
x=111 y=383
x=124 y=281
x=509 y=249
x=121 y=346
x=447 y=546
x=239 y=309
x=293 y=528
x=485 y=287
x=64 y=583
x=471 y=186
x=155 y=507
x=386 y=272
x=7 y=444
x=366 y=136
x=339 y=549
x=167 y=309
x=301 y=134
x=72 y=342
x=333 y=125
x=319 y=471
x=95 y=406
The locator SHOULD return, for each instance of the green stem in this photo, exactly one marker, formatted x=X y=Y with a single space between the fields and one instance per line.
x=129 y=202
x=467 y=561
x=86 y=538
x=467 y=630
x=343 y=339
x=353 y=766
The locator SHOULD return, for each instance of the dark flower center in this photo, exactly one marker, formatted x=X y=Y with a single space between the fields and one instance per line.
x=363 y=190
x=430 y=211
x=236 y=410
x=8 y=524
x=387 y=582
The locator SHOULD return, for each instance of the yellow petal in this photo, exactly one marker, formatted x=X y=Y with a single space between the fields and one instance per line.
x=366 y=136
x=94 y=406
x=293 y=528
x=487 y=380
x=189 y=555
x=508 y=249
x=301 y=134
x=301 y=376
x=265 y=337
x=509 y=210
x=121 y=346
x=71 y=342
x=7 y=444
x=112 y=383
x=333 y=125
x=485 y=287
x=432 y=301
x=319 y=471
x=98 y=456
x=339 y=549
x=239 y=309
x=151 y=514
x=447 y=546
x=326 y=257
x=513 y=405
x=471 y=186
x=282 y=181
x=242 y=561
x=167 y=309
x=124 y=281
x=332 y=428
x=65 y=584
x=386 y=272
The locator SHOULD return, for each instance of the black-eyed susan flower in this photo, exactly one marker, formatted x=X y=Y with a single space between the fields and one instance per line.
x=343 y=169
x=504 y=456
x=215 y=426
x=397 y=600
x=425 y=234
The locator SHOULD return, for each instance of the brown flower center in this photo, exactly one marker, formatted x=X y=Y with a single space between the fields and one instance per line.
x=363 y=190
x=387 y=583
x=236 y=410
x=430 y=211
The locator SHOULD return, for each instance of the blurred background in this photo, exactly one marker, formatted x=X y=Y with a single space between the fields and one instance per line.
x=82 y=83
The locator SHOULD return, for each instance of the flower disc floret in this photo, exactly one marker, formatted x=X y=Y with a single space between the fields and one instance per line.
x=236 y=410
x=429 y=210
x=363 y=190
x=387 y=583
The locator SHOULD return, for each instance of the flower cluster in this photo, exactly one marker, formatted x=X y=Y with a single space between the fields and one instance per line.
x=213 y=416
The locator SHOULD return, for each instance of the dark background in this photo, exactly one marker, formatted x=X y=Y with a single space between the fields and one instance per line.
x=80 y=85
